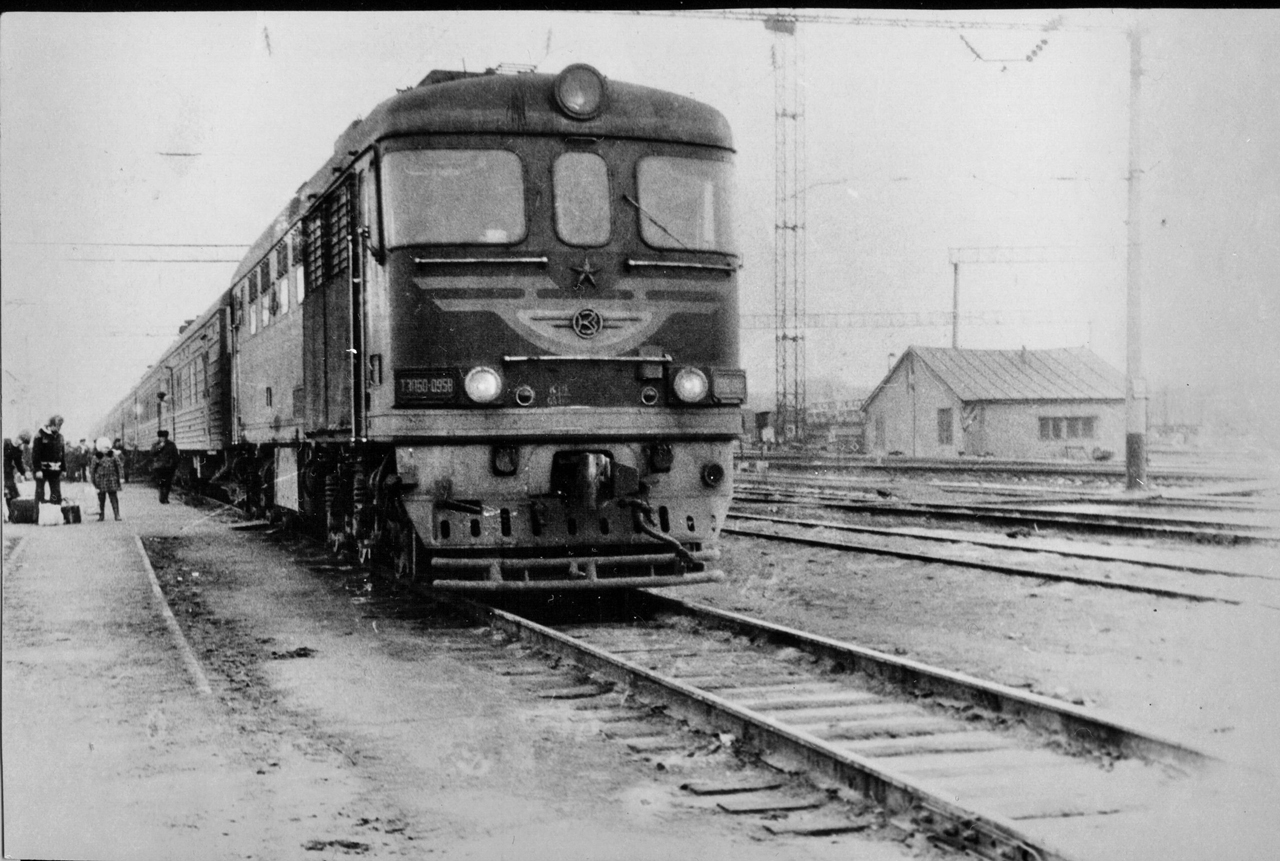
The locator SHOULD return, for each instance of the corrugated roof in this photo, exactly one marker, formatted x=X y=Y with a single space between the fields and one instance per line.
x=1075 y=373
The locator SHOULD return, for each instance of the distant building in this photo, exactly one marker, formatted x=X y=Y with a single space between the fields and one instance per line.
x=941 y=402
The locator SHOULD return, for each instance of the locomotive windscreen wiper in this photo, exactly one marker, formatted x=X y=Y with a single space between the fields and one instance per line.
x=656 y=223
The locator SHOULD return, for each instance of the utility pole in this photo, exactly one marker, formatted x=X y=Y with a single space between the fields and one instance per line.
x=789 y=228
x=955 y=304
x=1135 y=441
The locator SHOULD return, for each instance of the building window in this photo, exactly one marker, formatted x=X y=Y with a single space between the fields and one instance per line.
x=268 y=396
x=879 y=431
x=1068 y=427
x=944 y=426
x=299 y=403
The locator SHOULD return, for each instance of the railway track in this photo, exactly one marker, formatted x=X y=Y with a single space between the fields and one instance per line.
x=993 y=771
x=984 y=769
x=1187 y=529
x=1142 y=577
x=1100 y=471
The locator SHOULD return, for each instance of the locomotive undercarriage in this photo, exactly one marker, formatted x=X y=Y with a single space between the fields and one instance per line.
x=566 y=517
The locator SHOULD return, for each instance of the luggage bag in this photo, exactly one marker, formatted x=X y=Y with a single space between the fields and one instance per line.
x=70 y=514
x=23 y=511
x=48 y=514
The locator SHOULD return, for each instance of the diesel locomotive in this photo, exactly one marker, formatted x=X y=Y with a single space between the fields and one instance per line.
x=493 y=341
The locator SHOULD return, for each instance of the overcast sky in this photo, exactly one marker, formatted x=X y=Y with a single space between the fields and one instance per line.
x=920 y=140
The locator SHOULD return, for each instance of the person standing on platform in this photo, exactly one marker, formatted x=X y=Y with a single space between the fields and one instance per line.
x=72 y=472
x=107 y=474
x=13 y=467
x=49 y=459
x=118 y=446
x=164 y=464
x=84 y=460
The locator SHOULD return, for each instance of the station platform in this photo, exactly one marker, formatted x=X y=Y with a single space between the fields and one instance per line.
x=109 y=729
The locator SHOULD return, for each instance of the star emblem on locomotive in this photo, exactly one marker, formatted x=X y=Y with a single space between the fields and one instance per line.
x=586 y=275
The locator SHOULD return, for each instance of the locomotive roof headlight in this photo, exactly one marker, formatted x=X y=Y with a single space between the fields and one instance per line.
x=690 y=385
x=580 y=91
x=483 y=385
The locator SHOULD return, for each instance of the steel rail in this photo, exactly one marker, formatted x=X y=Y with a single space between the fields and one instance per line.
x=988 y=541
x=1111 y=523
x=995 y=836
x=1104 y=470
x=1002 y=568
x=962 y=825
x=1054 y=716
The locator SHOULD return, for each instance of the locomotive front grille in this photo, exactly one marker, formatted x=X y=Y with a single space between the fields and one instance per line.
x=551 y=524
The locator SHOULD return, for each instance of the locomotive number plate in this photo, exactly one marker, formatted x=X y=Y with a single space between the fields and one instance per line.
x=426 y=386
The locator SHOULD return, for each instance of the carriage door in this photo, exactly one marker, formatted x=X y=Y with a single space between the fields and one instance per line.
x=326 y=316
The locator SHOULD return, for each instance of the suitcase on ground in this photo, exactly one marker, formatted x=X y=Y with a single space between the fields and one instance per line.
x=23 y=511
x=70 y=514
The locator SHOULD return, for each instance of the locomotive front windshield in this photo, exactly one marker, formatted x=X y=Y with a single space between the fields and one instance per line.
x=453 y=197
x=684 y=203
x=477 y=197
x=581 y=183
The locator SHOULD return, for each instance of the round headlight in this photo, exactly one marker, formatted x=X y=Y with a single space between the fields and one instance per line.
x=690 y=385
x=483 y=385
x=580 y=91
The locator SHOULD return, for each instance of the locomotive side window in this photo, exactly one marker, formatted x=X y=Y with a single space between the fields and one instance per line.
x=282 y=275
x=581 y=182
x=295 y=261
x=684 y=203
x=453 y=197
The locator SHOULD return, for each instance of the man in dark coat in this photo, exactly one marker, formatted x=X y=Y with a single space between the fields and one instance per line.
x=164 y=464
x=13 y=465
x=49 y=460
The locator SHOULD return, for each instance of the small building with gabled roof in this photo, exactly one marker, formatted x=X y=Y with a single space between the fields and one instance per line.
x=1016 y=404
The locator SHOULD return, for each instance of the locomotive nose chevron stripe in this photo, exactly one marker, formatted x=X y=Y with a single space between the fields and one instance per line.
x=548 y=323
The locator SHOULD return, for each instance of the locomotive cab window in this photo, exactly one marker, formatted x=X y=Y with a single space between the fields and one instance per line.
x=453 y=197
x=581 y=182
x=685 y=203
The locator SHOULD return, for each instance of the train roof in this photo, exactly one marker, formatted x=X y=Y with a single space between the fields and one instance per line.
x=525 y=104
x=491 y=103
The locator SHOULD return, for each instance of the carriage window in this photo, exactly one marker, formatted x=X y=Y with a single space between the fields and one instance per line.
x=442 y=197
x=581 y=182
x=685 y=203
